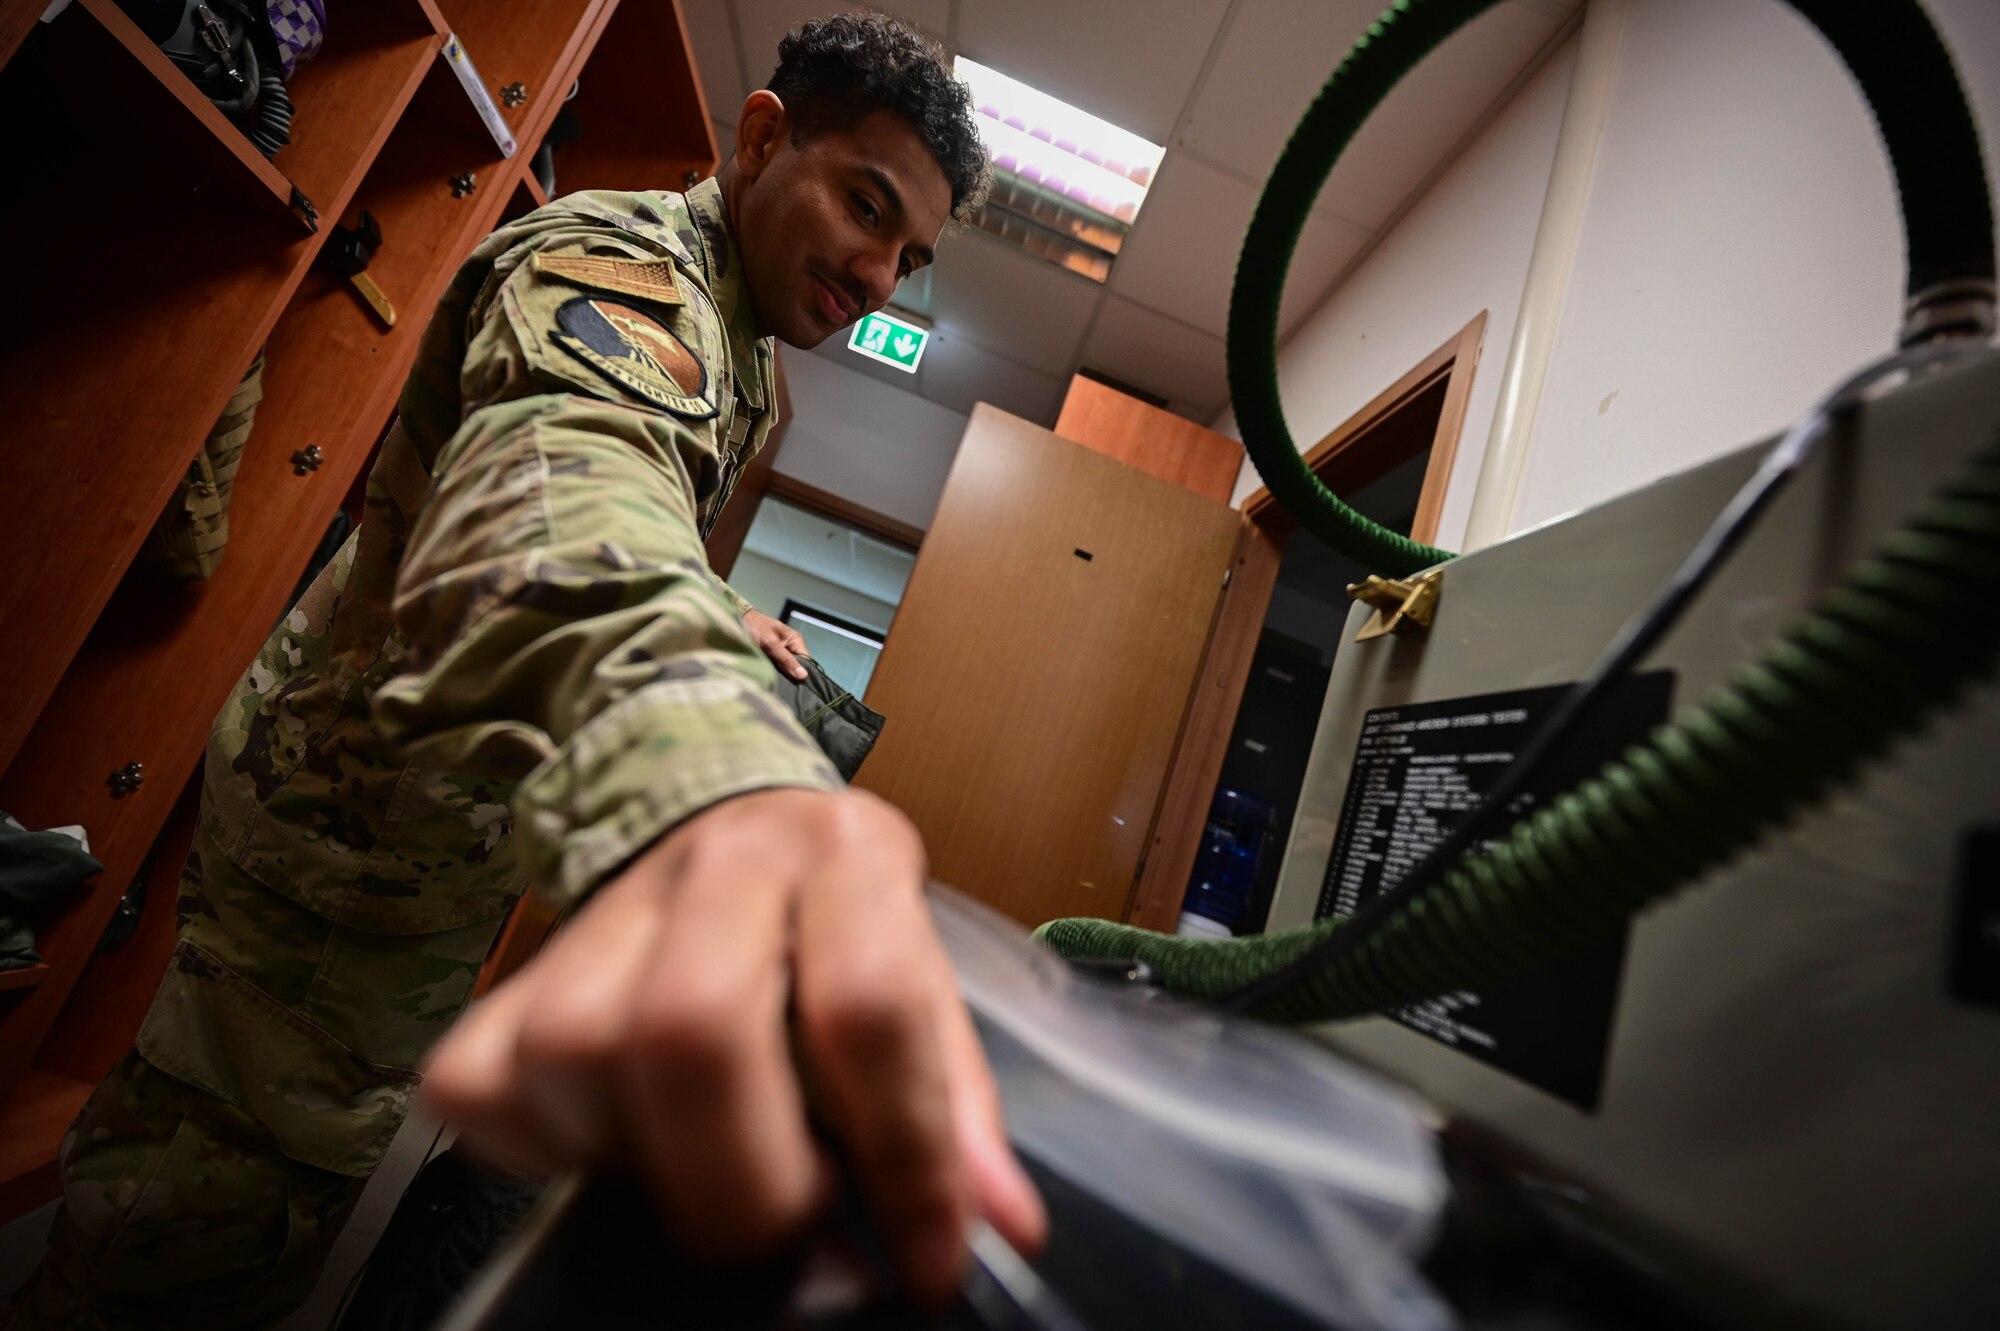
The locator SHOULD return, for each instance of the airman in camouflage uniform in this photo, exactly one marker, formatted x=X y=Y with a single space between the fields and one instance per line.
x=520 y=673
x=520 y=667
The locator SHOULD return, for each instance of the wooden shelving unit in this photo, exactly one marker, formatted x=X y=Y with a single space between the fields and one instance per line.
x=21 y=977
x=182 y=251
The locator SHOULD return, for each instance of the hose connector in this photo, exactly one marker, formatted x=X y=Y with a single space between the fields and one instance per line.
x=1963 y=308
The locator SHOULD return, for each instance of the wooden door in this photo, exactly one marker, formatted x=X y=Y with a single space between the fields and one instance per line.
x=1039 y=667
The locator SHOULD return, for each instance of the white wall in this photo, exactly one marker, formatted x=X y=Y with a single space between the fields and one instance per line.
x=766 y=584
x=1739 y=253
x=1740 y=250
x=877 y=446
x=1464 y=247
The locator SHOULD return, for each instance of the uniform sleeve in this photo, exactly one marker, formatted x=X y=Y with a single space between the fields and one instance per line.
x=736 y=601
x=562 y=624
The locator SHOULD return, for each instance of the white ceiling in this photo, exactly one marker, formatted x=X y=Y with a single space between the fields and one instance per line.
x=813 y=544
x=1220 y=83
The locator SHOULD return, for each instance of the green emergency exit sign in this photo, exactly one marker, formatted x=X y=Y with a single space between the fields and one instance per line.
x=889 y=340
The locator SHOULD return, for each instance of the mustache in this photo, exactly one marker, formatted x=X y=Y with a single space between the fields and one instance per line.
x=847 y=286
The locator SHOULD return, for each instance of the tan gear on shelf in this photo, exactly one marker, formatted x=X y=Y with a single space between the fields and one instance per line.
x=191 y=533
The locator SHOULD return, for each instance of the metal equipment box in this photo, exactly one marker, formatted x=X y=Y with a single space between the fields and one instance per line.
x=1785 y=1087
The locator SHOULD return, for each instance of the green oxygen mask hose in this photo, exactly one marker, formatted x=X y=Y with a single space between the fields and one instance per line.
x=1874 y=657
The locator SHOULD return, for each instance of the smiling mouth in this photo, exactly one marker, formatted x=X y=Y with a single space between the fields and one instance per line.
x=833 y=306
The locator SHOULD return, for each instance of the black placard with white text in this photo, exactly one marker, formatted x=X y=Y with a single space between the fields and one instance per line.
x=1418 y=770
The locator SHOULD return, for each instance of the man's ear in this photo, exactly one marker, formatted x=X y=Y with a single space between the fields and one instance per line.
x=761 y=126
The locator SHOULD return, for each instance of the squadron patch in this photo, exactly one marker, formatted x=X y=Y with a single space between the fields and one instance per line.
x=647 y=279
x=638 y=353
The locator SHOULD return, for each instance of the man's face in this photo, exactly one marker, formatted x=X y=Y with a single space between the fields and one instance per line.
x=828 y=227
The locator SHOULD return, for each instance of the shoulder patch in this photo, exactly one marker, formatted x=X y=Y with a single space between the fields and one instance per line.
x=638 y=353
x=645 y=279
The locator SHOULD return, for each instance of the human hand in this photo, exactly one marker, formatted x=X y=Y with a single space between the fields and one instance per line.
x=781 y=642
x=665 y=1027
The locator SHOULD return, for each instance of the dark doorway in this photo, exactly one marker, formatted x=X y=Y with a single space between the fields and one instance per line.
x=1273 y=733
x=1392 y=460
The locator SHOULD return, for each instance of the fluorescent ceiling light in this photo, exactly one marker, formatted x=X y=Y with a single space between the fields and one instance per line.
x=1067 y=185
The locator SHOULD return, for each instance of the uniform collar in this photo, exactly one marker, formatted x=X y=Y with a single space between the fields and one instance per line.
x=718 y=253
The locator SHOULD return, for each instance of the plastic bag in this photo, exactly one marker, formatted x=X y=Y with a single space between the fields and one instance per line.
x=1258 y=1149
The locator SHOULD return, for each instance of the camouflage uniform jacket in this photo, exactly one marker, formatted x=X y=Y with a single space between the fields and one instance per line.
x=519 y=670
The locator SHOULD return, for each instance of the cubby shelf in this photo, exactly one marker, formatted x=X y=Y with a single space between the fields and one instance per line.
x=177 y=100
x=121 y=363
x=23 y=977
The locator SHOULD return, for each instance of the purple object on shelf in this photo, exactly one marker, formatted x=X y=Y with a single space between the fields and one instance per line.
x=299 y=26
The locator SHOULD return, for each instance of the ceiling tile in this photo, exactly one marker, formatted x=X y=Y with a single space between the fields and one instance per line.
x=1275 y=57
x=1133 y=65
x=1150 y=351
x=1181 y=258
x=881 y=570
x=1431 y=111
x=715 y=58
x=834 y=348
x=1009 y=301
x=829 y=550
x=1277 y=54
x=762 y=23
x=959 y=374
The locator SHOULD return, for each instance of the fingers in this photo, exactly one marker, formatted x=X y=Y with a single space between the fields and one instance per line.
x=658 y=1029
x=781 y=656
x=527 y=1074
x=867 y=1005
x=781 y=642
x=718 y=1119
x=469 y=1081
x=572 y=1037
x=1001 y=1190
x=652 y=1032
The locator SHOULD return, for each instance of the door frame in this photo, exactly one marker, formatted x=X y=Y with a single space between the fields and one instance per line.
x=1355 y=453
x=828 y=504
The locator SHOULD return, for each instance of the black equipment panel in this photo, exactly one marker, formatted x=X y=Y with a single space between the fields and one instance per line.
x=1420 y=767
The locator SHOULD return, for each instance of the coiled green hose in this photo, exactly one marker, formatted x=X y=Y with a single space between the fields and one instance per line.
x=1895 y=55
x=1874 y=657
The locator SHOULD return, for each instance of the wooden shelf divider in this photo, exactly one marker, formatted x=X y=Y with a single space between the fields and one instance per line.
x=351 y=94
x=123 y=699
x=23 y=977
x=17 y=20
x=235 y=151
x=113 y=388
x=531 y=185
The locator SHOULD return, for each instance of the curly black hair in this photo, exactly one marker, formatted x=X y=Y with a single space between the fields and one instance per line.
x=834 y=71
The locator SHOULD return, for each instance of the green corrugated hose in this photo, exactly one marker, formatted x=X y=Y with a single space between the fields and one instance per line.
x=1892 y=50
x=1885 y=649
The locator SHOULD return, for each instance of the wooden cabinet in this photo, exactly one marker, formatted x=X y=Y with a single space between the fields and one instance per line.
x=150 y=254
x=1039 y=667
x=1140 y=435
